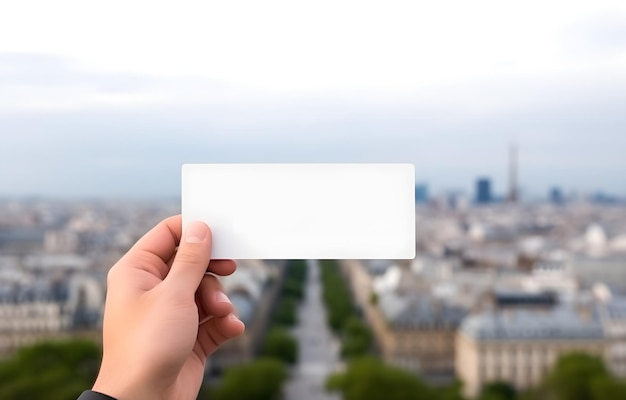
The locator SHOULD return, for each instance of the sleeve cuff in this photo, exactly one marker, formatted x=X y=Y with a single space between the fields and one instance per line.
x=91 y=395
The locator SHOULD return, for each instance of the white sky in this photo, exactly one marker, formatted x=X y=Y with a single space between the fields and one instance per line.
x=317 y=45
x=444 y=84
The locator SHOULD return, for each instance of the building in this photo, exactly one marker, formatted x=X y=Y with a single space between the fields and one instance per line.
x=513 y=192
x=27 y=322
x=421 y=193
x=61 y=241
x=33 y=309
x=423 y=337
x=483 y=191
x=253 y=291
x=602 y=268
x=613 y=315
x=556 y=196
x=412 y=329
x=520 y=345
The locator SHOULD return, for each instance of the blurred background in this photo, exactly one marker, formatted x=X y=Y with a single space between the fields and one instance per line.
x=514 y=115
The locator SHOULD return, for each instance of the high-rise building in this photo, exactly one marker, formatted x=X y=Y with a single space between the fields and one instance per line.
x=421 y=193
x=556 y=196
x=483 y=191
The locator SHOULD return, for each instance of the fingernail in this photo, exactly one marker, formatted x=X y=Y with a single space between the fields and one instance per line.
x=233 y=317
x=221 y=297
x=196 y=232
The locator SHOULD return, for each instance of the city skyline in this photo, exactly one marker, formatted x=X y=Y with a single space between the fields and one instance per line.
x=499 y=191
x=447 y=87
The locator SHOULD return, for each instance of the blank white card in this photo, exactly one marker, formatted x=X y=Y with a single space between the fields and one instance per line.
x=303 y=211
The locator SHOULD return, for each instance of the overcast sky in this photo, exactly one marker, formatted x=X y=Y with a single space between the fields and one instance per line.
x=110 y=99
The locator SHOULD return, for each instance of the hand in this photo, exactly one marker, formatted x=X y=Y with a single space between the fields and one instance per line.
x=163 y=316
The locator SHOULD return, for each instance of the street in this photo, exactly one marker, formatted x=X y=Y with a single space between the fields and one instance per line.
x=318 y=349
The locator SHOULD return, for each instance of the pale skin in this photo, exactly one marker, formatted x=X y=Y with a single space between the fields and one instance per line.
x=164 y=316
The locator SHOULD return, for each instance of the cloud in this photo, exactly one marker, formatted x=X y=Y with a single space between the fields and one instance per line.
x=34 y=82
x=69 y=130
x=40 y=69
x=600 y=36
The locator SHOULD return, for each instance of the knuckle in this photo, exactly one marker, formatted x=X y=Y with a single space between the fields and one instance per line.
x=112 y=275
x=189 y=257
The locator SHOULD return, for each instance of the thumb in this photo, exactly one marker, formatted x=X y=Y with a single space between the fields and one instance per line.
x=191 y=260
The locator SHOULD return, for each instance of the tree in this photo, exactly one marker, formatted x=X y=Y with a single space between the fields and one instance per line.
x=50 y=370
x=357 y=338
x=285 y=314
x=336 y=295
x=293 y=289
x=295 y=276
x=369 y=379
x=259 y=380
x=572 y=377
x=281 y=345
x=498 y=391
x=608 y=388
x=450 y=391
x=297 y=270
x=373 y=298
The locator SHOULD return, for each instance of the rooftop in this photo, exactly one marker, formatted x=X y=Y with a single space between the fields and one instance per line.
x=426 y=312
x=558 y=323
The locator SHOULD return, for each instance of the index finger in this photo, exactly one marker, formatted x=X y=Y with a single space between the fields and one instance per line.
x=161 y=240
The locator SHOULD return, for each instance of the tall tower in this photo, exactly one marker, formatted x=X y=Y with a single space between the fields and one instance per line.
x=513 y=174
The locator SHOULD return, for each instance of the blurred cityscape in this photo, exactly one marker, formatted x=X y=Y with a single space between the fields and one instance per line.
x=499 y=291
x=518 y=287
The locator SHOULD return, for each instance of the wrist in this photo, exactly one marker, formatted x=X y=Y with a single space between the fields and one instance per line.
x=122 y=386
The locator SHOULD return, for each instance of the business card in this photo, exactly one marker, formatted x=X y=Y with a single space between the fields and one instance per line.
x=303 y=211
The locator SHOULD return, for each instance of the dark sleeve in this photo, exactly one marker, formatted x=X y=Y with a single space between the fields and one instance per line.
x=91 y=395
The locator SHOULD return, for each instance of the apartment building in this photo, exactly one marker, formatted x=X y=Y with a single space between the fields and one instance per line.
x=520 y=346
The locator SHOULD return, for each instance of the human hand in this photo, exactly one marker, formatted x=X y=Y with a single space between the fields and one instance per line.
x=163 y=316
